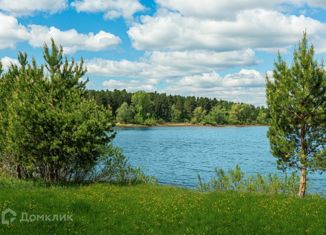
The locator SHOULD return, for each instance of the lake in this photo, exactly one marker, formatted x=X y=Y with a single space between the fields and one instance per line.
x=176 y=155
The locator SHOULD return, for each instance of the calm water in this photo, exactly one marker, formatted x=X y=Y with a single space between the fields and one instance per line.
x=176 y=155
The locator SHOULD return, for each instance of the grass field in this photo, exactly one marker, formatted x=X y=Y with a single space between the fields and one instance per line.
x=154 y=209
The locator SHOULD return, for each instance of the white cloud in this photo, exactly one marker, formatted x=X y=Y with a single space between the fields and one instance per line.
x=71 y=40
x=28 y=7
x=320 y=44
x=257 y=29
x=226 y=9
x=213 y=9
x=111 y=8
x=245 y=86
x=130 y=85
x=8 y=61
x=204 y=59
x=11 y=32
x=245 y=78
x=162 y=65
x=112 y=68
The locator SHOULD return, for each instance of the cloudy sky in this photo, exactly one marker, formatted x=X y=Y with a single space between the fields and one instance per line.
x=212 y=48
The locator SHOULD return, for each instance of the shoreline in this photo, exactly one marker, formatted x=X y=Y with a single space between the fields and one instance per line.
x=183 y=124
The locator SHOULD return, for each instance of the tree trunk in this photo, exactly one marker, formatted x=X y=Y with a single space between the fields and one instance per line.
x=303 y=159
x=303 y=180
x=19 y=172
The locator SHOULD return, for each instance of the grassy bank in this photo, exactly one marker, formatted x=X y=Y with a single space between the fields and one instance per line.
x=153 y=209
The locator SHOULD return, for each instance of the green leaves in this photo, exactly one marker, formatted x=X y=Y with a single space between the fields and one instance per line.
x=124 y=113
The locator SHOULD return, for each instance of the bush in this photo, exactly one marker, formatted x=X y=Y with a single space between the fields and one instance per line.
x=150 y=122
x=235 y=180
x=114 y=168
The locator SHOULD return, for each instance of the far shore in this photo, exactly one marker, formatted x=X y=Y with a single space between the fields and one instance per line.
x=183 y=124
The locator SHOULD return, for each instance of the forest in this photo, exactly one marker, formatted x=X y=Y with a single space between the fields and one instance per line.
x=150 y=108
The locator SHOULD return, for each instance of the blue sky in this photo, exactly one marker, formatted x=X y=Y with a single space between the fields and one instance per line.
x=210 y=48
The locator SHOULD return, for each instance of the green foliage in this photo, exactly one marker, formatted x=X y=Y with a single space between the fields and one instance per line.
x=124 y=113
x=49 y=129
x=217 y=116
x=233 y=114
x=114 y=98
x=161 y=109
x=262 y=116
x=198 y=115
x=175 y=114
x=114 y=168
x=150 y=122
x=189 y=105
x=235 y=180
x=296 y=97
x=242 y=114
x=142 y=106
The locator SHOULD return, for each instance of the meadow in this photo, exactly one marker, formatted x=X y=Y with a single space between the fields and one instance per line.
x=156 y=209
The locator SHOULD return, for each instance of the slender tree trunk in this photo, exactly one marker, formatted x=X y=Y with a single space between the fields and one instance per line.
x=19 y=172
x=303 y=180
x=303 y=159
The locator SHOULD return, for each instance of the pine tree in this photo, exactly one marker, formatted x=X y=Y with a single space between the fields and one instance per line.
x=49 y=129
x=296 y=98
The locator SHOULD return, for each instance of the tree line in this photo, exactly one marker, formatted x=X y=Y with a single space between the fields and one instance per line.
x=150 y=108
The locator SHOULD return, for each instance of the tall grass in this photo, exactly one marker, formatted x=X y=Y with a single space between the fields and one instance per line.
x=236 y=180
